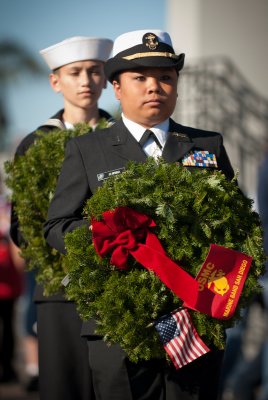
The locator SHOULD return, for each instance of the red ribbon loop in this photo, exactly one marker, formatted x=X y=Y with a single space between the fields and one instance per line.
x=120 y=233
x=126 y=239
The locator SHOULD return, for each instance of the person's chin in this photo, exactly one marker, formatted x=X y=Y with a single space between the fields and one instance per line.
x=89 y=102
x=156 y=113
x=153 y=119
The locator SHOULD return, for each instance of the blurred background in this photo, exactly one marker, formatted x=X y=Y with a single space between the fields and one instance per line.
x=223 y=87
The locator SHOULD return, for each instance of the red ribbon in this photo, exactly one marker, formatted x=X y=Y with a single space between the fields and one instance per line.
x=125 y=232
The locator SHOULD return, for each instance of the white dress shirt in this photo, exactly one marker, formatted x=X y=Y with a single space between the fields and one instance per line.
x=150 y=148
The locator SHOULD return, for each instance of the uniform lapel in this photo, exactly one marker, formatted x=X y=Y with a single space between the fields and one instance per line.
x=177 y=145
x=124 y=144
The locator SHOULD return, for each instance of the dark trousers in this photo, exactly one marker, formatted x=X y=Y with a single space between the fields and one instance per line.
x=64 y=372
x=116 y=378
x=7 y=339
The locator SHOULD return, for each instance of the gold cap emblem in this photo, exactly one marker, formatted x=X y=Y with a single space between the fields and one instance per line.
x=150 y=40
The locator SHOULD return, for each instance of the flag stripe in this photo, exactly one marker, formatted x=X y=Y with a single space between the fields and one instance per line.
x=174 y=355
x=192 y=334
x=197 y=344
x=185 y=339
x=184 y=349
x=180 y=350
x=187 y=335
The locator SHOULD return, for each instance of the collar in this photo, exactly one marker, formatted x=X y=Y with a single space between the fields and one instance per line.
x=160 y=130
x=68 y=125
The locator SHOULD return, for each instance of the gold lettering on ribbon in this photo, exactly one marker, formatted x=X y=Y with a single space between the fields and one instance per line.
x=228 y=307
x=235 y=287
x=204 y=276
x=214 y=279
x=242 y=267
x=233 y=291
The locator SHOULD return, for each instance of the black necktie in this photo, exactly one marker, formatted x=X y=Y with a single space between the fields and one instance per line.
x=147 y=134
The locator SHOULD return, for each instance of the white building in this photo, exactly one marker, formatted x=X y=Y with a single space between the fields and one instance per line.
x=224 y=85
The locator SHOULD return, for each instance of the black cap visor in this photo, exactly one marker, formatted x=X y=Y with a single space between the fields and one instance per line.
x=116 y=65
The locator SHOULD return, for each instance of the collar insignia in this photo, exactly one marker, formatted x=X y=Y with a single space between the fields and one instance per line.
x=181 y=136
x=150 y=40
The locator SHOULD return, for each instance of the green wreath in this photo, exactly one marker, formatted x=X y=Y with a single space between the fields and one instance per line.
x=192 y=208
x=32 y=179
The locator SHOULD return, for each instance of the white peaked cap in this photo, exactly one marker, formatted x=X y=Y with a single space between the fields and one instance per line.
x=140 y=49
x=131 y=39
x=78 y=48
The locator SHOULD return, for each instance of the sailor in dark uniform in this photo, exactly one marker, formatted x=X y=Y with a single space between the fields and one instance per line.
x=77 y=72
x=144 y=72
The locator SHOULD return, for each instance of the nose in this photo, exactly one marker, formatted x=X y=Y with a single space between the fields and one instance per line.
x=85 y=78
x=153 y=85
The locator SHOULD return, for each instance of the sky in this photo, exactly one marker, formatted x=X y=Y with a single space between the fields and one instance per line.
x=37 y=24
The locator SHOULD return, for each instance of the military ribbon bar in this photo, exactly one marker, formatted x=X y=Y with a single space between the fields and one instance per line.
x=200 y=158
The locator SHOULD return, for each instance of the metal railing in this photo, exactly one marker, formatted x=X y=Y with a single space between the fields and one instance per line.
x=213 y=95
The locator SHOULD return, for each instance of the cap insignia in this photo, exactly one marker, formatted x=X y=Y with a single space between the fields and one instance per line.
x=150 y=40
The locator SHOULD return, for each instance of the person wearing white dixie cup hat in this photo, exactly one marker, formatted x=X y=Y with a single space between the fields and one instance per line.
x=144 y=72
x=77 y=73
x=78 y=48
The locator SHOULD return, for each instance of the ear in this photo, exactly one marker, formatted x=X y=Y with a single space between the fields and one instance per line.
x=54 y=80
x=117 y=89
x=105 y=84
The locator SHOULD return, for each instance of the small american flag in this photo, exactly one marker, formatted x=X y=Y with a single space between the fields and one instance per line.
x=180 y=339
